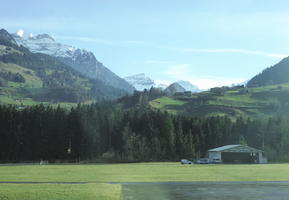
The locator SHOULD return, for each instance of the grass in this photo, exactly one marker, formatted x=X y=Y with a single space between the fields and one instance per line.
x=60 y=192
x=145 y=172
x=164 y=103
x=101 y=176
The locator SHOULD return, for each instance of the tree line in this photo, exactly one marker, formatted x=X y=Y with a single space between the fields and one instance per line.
x=103 y=132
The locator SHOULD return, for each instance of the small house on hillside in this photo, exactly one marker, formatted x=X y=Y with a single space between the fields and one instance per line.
x=237 y=153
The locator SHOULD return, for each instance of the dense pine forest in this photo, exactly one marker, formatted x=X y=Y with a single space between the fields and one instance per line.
x=102 y=132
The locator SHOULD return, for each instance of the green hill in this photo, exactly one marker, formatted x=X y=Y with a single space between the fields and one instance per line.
x=256 y=102
x=276 y=74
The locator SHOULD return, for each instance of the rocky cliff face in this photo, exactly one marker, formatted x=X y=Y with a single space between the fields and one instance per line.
x=82 y=60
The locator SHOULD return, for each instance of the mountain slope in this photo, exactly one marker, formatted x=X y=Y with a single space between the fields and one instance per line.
x=276 y=74
x=36 y=77
x=79 y=59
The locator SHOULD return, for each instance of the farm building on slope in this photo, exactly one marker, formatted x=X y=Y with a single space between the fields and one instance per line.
x=237 y=153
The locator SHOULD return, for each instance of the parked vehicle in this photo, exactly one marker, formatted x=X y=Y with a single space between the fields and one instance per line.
x=203 y=161
x=185 y=161
x=216 y=161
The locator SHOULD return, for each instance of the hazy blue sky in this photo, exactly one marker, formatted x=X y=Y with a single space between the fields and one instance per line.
x=206 y=42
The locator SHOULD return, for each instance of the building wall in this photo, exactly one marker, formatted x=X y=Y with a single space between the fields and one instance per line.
x=213 y=155
x=261 y=158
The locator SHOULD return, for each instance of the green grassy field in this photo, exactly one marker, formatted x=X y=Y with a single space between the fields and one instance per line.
x=259 y=102
x=98 y=178
x=144 y=172
x=60 y=191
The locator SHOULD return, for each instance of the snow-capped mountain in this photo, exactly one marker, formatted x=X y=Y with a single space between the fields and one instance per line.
x=188 y=86
x=82 y=60
x=140 y=81
x=44 y=43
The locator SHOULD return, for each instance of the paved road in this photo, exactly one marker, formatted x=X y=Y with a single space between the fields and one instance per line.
x=207 y=191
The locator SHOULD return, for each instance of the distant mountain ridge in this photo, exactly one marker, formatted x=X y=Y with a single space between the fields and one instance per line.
x=81 y=60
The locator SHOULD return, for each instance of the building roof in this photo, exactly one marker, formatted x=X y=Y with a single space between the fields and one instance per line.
x=235 y=148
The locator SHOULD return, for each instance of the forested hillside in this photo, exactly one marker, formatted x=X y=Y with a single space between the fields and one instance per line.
x=29 y=78
x=101 y=132
x=276 y=74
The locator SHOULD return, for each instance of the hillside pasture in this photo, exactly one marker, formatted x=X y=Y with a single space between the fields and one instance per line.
x=259 y=102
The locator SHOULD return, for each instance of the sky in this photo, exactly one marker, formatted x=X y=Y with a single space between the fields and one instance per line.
x=207 y=42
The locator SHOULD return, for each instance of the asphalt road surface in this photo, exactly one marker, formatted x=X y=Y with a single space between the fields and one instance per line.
x=207 y=191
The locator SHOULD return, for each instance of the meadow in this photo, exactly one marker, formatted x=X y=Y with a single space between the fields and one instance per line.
x=106 y=181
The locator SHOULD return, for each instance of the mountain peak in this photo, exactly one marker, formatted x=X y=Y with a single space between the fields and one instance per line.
x=43 y=43
x=23 y=35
